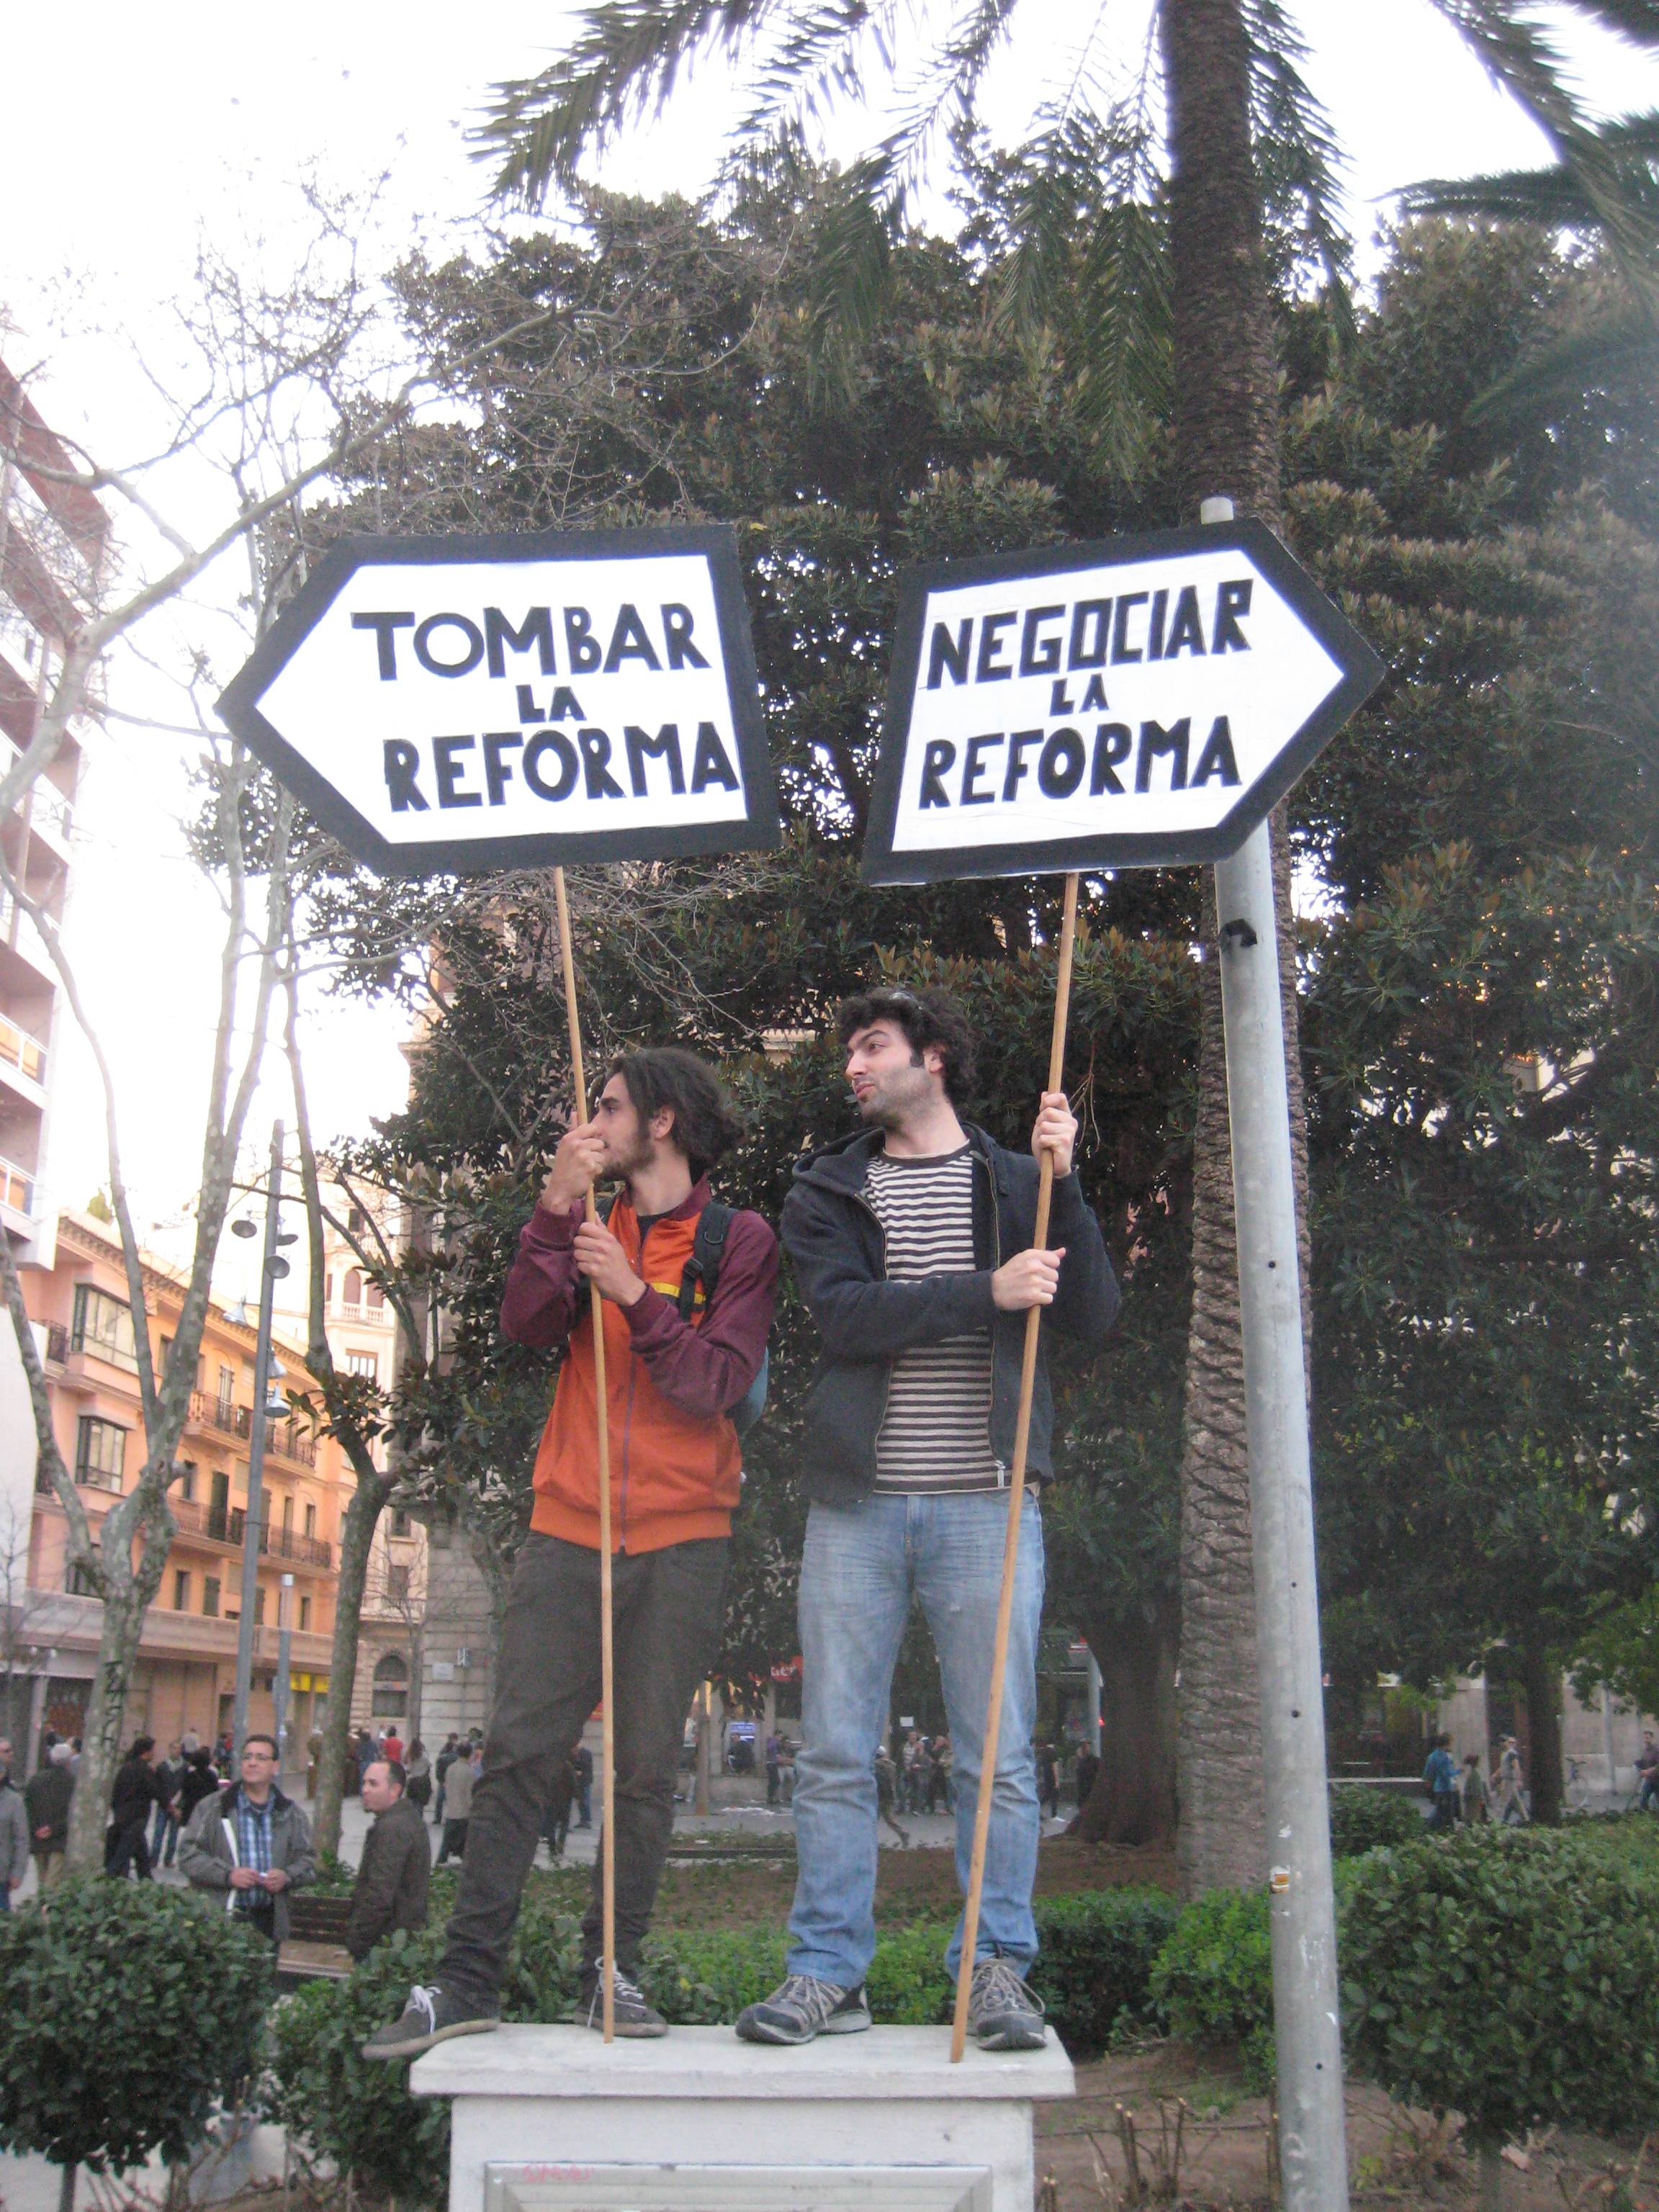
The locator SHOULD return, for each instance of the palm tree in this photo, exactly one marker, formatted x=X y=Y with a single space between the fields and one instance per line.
x=1236 y=121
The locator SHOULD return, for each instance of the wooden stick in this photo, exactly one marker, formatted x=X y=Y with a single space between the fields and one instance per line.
x=987 y=1772
x=607 y=1720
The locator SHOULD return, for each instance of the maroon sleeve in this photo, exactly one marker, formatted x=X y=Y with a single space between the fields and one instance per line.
x=539 y=1305
x=706 y=1370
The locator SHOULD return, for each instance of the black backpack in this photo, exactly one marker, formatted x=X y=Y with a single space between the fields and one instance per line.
x=704 y=1267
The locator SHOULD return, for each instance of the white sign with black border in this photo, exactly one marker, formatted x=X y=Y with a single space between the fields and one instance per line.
x=454 y=704
x=1144 y=701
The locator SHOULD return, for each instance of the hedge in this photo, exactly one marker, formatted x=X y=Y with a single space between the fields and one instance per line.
x=1363 y=1818
x=1096 y=1955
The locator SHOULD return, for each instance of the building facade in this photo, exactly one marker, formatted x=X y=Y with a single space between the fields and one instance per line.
x=54 y=542
x=186 y=1670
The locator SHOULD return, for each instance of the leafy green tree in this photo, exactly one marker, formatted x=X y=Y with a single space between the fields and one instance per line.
x=1238 y=128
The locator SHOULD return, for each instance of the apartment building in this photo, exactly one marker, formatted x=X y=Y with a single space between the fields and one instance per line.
x=187 y=1671
x=361 y=1331
x=54 y=540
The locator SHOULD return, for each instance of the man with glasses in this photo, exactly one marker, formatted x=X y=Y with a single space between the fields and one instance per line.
x=911 y=1242
x=250 y=1843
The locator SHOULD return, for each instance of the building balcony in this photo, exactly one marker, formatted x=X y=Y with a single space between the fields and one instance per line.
x=20 y=942
x=16 y=1196
x=51 y=817
x=225 y=1526
x=23 y=1056
x=284 y=1439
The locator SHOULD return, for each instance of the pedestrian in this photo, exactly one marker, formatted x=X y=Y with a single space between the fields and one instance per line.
x=201 y=1780
x=251 y=1843
x=457 y=1805
x=1088 y=1773
x=772 y=1783
x=1511 y=1801
x=189 y=1742
x=1440 y=1781
x=418 y=1768
x=391 y=1745
x=1647 y=1772
x=396 y=1868
x=940 y=1778
x=911 y=1245
x=368 y=1751
x=1047 y=1781
x=133 y=1797
x=169 y=1777
x=46 y=1797
x=916 y=1767
x=686 y=1290
x=440 y=1767
x=14 y=1831
x=556 y=1827
x=584 y=1786
x=886 y=1790
x=1477 y=1798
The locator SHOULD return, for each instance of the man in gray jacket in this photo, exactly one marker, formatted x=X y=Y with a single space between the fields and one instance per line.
x=392 y=1880
x=250 y=1843
x=14 y=1831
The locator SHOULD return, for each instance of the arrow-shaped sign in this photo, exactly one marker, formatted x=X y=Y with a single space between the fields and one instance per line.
x=451 y=704
x=1145 y=702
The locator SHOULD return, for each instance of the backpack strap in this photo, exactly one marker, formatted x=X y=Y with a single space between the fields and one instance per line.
x=704 y=1265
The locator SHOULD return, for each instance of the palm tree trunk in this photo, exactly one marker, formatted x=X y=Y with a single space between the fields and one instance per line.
x=1227 y=442
x=1133 y=1799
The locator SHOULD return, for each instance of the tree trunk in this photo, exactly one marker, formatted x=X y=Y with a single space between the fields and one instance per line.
x=357 y=1527
x=1542 y=1679
x=1490 y=2194
x=1133 y=1799
x=66 y=2181
x=128 y=1589
x=1227 y=442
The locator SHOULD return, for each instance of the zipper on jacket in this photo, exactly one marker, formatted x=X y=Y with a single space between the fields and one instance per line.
x=1004 y=1474
x=628 y=1417
x=887 y=1364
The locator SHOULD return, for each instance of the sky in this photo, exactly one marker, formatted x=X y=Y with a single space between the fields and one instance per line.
x=154 y=133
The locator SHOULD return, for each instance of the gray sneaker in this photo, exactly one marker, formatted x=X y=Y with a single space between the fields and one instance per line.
x=631 y=2010
x=430 y=2016
x=1002 y=2014
x=800 y=2008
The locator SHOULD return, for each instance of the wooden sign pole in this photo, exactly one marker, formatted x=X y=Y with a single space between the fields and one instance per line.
x=987 y=1770
x=607 y=1720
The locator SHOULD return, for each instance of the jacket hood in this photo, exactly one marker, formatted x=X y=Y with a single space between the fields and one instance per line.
x=843 y=1165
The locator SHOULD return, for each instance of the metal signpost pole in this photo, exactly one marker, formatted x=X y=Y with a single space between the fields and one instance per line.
x=284 y=1664
x=256 y=1448
x=1313 y=2144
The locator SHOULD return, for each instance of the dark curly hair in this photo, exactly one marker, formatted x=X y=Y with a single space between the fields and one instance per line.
x=662 y=1076
x=927 y=1017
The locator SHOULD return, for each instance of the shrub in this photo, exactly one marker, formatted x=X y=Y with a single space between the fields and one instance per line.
x=1213 y=1981
x=1094 y=1969
x=1511 y=1978
x=130 y=2015
x=1361 y=1819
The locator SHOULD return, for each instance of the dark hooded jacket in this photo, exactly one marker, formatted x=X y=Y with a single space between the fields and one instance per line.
x=837 y=1245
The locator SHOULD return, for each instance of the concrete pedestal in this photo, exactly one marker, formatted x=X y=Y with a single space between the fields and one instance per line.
x=548 y=2119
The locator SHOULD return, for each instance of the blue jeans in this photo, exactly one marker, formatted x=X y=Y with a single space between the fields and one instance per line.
x=164 y=1830
x=862 y=1566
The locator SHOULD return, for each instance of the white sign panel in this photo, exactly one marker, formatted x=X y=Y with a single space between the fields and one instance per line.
x=453 y=704
x=1141 y=702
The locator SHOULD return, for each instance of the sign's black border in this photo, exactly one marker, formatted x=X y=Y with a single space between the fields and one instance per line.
x=1363 y=671
x=760 y=829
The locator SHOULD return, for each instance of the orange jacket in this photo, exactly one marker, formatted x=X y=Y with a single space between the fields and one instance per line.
x=675 y=1464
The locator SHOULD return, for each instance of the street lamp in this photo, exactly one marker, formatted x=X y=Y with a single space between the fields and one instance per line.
x=272 y=1269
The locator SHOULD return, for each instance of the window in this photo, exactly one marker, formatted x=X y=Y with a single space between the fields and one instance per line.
x=311 y=1520
x=400 y=1520
x=391 y=1696
x=259 y=1606
x=376 y=1297
x=355 y=1221
x=181 y=1590
x=288 y=1513
x=396 y=1585
x=78 y=1581
x=227 y=1392
x=305 y=1613
x=187 y=1482
x=99 y=1451
x=211 y=1597
x=103 y=1326
x=353 y=1292
x=362 y=1363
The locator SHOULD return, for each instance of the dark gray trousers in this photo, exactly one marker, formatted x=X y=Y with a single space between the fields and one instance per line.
x=666 y=1622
